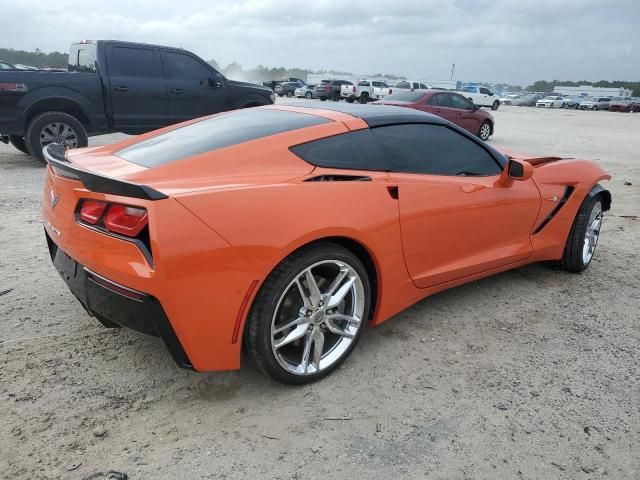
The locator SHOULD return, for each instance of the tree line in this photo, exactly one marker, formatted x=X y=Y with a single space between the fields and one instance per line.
x=545 y=86
x=35 y=59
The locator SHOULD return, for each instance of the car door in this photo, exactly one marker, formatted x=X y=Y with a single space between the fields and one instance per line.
x=195 y=88
x=137 y=88
x=486 y=95
x=440 y=105
x=465 y=111
x=456 y=219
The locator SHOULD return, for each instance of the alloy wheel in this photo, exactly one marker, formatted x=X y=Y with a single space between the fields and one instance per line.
x=317 y=317
x=593 y=233
x=58 y=133
x=485 y=131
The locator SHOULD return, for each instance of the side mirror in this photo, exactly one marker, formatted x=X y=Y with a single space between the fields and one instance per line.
x=211 y=83
x=516 y=170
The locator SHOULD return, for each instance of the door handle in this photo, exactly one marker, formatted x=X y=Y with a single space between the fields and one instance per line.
x=176 y=91
x=121 y=88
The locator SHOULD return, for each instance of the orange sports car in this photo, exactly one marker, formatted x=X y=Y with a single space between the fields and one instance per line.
x=286 y=229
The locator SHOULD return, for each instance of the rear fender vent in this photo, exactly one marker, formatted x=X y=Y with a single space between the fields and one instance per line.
x=339 y=178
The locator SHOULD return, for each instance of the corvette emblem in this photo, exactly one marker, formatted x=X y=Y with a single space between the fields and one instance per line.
x=54 y=198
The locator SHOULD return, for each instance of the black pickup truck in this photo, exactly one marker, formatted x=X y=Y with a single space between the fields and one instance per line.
x=114 y=86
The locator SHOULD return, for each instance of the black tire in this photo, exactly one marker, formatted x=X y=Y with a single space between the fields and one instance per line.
x=572 y=259
x=349 y=99
x=281 y=94
x=18 y=142
x=595 y=108
x=323 y=99
x=308 y=95
x=258 y=329
x=364 y=98
x=35 y=127
x=495 y=105
x=289 y=94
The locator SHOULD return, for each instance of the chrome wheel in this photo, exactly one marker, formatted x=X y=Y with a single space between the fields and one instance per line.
x=317 y=317
x=592 y=234
x=485 y=131
x=58 y=133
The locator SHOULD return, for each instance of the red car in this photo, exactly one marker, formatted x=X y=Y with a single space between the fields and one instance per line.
x=448 y=105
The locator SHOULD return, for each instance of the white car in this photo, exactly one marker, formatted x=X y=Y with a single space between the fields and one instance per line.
x=481 y=96
x=551 y=101
x=507 y=99
x=380 y=92
x=363 y=92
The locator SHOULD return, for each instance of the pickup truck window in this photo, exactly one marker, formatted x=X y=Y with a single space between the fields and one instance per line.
x=485 y=91
x=363 y=84
x=135 y=62
x=403 y=85
x=82 y=58
x=184 y=66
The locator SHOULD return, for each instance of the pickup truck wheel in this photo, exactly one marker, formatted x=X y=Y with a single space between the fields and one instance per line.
x=18 y=142
x=495 y=105
x=364 y=98
x=349 y=99
x=54 y=127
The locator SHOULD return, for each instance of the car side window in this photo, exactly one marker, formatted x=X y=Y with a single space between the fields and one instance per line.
x=184 y=66
x=351 y=151
x=440 y=100
x=423 y=86
x=458 y=101
x=135 y=62
x=484 y=90
x=433 y=150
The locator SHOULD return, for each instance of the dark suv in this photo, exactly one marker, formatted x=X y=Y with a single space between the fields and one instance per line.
x=330 y=89
x=287 y=88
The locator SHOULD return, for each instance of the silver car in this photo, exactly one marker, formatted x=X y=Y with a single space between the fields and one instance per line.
x=596 y=103
x=307 y=91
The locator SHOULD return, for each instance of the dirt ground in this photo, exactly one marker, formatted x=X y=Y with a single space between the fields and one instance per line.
x=530 y=374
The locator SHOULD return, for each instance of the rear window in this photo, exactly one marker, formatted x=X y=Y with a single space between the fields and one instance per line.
x=216 y=132
x=405 y=97
x=403 y=85
x=363 y=84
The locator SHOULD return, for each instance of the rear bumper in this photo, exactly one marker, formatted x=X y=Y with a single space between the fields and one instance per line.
x=112 y=303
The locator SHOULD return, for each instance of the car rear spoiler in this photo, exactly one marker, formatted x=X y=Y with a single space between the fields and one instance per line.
x=54 y=155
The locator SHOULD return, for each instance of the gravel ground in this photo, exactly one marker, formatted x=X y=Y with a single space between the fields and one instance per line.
x=530 y=374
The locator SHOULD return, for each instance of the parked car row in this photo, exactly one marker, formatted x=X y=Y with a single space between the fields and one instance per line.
x=625 y=104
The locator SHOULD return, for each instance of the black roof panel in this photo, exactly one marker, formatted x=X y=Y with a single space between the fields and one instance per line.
x=374 y=114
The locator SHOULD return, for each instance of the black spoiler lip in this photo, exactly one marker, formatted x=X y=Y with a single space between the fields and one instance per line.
x=54 y=155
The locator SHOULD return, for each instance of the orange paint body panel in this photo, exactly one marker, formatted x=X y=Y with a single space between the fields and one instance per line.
x=233 y=214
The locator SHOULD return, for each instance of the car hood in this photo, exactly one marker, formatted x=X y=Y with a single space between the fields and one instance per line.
x=249 y=86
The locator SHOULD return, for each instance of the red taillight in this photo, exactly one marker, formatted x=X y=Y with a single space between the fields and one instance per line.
x=116 y=218
x=353 y=89
x=92 y=210
x=128 y=221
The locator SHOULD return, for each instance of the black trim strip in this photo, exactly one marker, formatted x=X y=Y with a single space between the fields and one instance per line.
x=339 y=178
x=54 y=155
x=567 y=193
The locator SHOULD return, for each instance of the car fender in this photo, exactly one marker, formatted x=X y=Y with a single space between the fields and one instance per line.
x=55 y=98
x=578 y=179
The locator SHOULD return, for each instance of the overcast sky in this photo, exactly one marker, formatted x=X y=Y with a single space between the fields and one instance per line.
x=514 y=41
